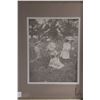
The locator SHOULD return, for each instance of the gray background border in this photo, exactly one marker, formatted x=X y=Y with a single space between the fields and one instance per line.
x=46 y=9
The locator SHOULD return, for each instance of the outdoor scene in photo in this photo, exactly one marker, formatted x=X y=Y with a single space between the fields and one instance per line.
x=53 y=49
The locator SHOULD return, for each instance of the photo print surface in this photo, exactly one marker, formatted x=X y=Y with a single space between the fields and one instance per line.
x=53 y=50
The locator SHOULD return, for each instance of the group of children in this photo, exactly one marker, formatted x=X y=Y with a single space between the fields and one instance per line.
x=55 y=55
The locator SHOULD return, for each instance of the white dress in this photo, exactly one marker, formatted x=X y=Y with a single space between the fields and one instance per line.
x=55 y=63
x=65 y=53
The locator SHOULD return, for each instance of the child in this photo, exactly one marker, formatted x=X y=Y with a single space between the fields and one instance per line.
x=54 y=61
x=65 y=53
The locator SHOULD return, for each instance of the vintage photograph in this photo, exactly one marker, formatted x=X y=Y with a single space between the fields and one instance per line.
x=53 y=45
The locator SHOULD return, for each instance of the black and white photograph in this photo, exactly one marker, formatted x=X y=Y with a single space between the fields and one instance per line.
x=53 y=46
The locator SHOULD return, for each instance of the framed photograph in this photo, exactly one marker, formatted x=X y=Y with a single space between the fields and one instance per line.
x=50 y=49
x=53 y=50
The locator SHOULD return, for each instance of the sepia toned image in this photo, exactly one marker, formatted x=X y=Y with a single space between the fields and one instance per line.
x=53 y=50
